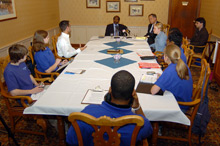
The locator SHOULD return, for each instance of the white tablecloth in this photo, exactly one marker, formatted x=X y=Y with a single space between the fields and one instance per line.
x=65 y=94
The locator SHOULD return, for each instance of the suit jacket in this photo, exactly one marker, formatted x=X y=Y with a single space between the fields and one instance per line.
x=152 y=36
x=110 y=29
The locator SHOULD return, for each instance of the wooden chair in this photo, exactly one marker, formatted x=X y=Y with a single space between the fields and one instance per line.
x=160 y=59
x=188 y=53
x=107 y=125
x=166 y=28
x=39 y=74
x=185 y=41
x=15 y=110
x=54 y=42
x=198 y=86
x=194 y=105
x=199 y=56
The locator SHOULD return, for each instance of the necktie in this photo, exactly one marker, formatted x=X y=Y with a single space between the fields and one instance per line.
x=116 y=30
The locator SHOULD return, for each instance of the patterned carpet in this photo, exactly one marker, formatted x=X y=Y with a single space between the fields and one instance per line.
x=212 y=137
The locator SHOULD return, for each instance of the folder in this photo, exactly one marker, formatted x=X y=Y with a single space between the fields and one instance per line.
x=145 y=88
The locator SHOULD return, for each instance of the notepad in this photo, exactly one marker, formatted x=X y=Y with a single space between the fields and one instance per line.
x=74 y=71
x=148 y=78
x=94 y=96
x=148 y=65
x=145 y=53
x=141 y=38
x=64 y=65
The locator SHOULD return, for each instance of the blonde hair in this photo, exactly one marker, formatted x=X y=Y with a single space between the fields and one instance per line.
x=159 y=26
x=173 y=53
x=38 y=40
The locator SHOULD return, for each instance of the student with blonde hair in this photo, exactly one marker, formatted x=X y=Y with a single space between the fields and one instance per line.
x=176 y=78
x=44 y=57
x=160 y=40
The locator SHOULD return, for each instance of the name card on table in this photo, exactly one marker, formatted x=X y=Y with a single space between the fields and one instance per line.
x=115 y=51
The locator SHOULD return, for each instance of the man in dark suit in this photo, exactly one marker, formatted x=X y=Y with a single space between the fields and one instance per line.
x=150 y=33
x=116 y=29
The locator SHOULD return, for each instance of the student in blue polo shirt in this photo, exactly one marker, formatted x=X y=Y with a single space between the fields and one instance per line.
x=44 y=57
x=176 y=78
x=17 y=76
x=118 y=102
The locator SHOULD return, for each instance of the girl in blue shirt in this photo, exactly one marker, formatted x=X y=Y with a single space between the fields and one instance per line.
x=44 y=57
x=176 y=78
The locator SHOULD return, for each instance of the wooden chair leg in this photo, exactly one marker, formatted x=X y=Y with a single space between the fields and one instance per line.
x=43 y=124
x=155 y=133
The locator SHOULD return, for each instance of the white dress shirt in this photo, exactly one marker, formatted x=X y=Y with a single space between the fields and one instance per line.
x=64 y=48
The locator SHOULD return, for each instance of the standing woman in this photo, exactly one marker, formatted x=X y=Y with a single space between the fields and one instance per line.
x=160 y=40
x=176 y=78
x=44 y=57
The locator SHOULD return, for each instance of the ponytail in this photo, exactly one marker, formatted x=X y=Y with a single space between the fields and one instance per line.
x=173 y=52
x=182 y=70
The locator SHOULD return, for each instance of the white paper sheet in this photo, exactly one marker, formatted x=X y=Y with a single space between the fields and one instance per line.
x=94 y=97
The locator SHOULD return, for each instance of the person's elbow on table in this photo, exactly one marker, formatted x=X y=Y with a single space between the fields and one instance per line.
x=155 y=89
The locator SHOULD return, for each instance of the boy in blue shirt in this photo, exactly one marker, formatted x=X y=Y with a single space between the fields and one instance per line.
x=118 y=102
x=17 y=75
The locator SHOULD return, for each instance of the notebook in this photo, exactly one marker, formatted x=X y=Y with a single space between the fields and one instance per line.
x=148 y=65
x=147 y=57
x=145 y=88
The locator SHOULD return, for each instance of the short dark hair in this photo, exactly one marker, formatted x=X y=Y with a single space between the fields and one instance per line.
x=153 y=15
x=63 y=25
x=176 y=36
x=17 y=52
x=115 y=17
x=122 y=85
x=201 y=20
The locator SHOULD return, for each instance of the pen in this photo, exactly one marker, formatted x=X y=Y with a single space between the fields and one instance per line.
x=68 y=72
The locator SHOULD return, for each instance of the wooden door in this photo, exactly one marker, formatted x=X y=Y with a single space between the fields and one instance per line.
x=217 y=66
x=182 y=14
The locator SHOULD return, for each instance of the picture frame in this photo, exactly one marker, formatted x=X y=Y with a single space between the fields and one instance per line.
x=93 y=3
x=7 y=10
x=136 y=10
x=113 y=6
x=131 y=0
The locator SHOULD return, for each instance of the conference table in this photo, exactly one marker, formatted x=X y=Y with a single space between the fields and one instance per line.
x=66 y=93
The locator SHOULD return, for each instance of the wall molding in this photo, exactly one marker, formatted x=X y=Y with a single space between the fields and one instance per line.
x=82 y=34
x=26 y=41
